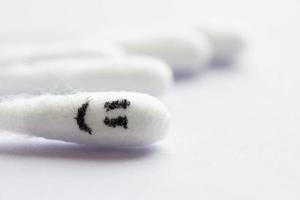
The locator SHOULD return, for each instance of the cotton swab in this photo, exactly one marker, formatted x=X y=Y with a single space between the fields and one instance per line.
x=107 y=119
x=139 y=74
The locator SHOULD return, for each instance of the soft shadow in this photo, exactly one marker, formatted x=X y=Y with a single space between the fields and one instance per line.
x=214 y=66
x=223 y=64
x=62 y=150
x=188 y=75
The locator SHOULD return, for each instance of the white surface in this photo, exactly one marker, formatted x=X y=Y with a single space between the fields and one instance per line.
x=234 y=134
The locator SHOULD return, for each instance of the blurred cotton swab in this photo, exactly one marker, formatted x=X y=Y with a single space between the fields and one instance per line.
x=182 y=50
x=184 y=47
x=139 y=74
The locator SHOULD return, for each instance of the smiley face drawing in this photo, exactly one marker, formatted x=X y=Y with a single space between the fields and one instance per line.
x=117 y=119
x=121 y=121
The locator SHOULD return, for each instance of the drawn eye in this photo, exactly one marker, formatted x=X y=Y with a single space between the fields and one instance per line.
x=81 y=112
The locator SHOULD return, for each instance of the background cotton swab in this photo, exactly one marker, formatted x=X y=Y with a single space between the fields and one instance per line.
x=139 y=74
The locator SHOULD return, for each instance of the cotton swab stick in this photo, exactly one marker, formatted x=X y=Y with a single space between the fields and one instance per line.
x=139 y=74
x=108 y=119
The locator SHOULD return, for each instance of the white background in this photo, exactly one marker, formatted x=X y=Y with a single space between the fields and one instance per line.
x=235 y=130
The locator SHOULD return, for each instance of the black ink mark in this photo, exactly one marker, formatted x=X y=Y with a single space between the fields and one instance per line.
x=119 y=121
x=123 y=103
x=80 y=118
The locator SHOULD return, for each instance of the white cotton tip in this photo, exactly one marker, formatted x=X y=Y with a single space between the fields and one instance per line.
x=139 y=74
x=182 y=50
x=11 y=53
x=227 y=42
x=108 y=119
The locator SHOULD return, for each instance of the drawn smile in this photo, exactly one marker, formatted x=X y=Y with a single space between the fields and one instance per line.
x=80 y=118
